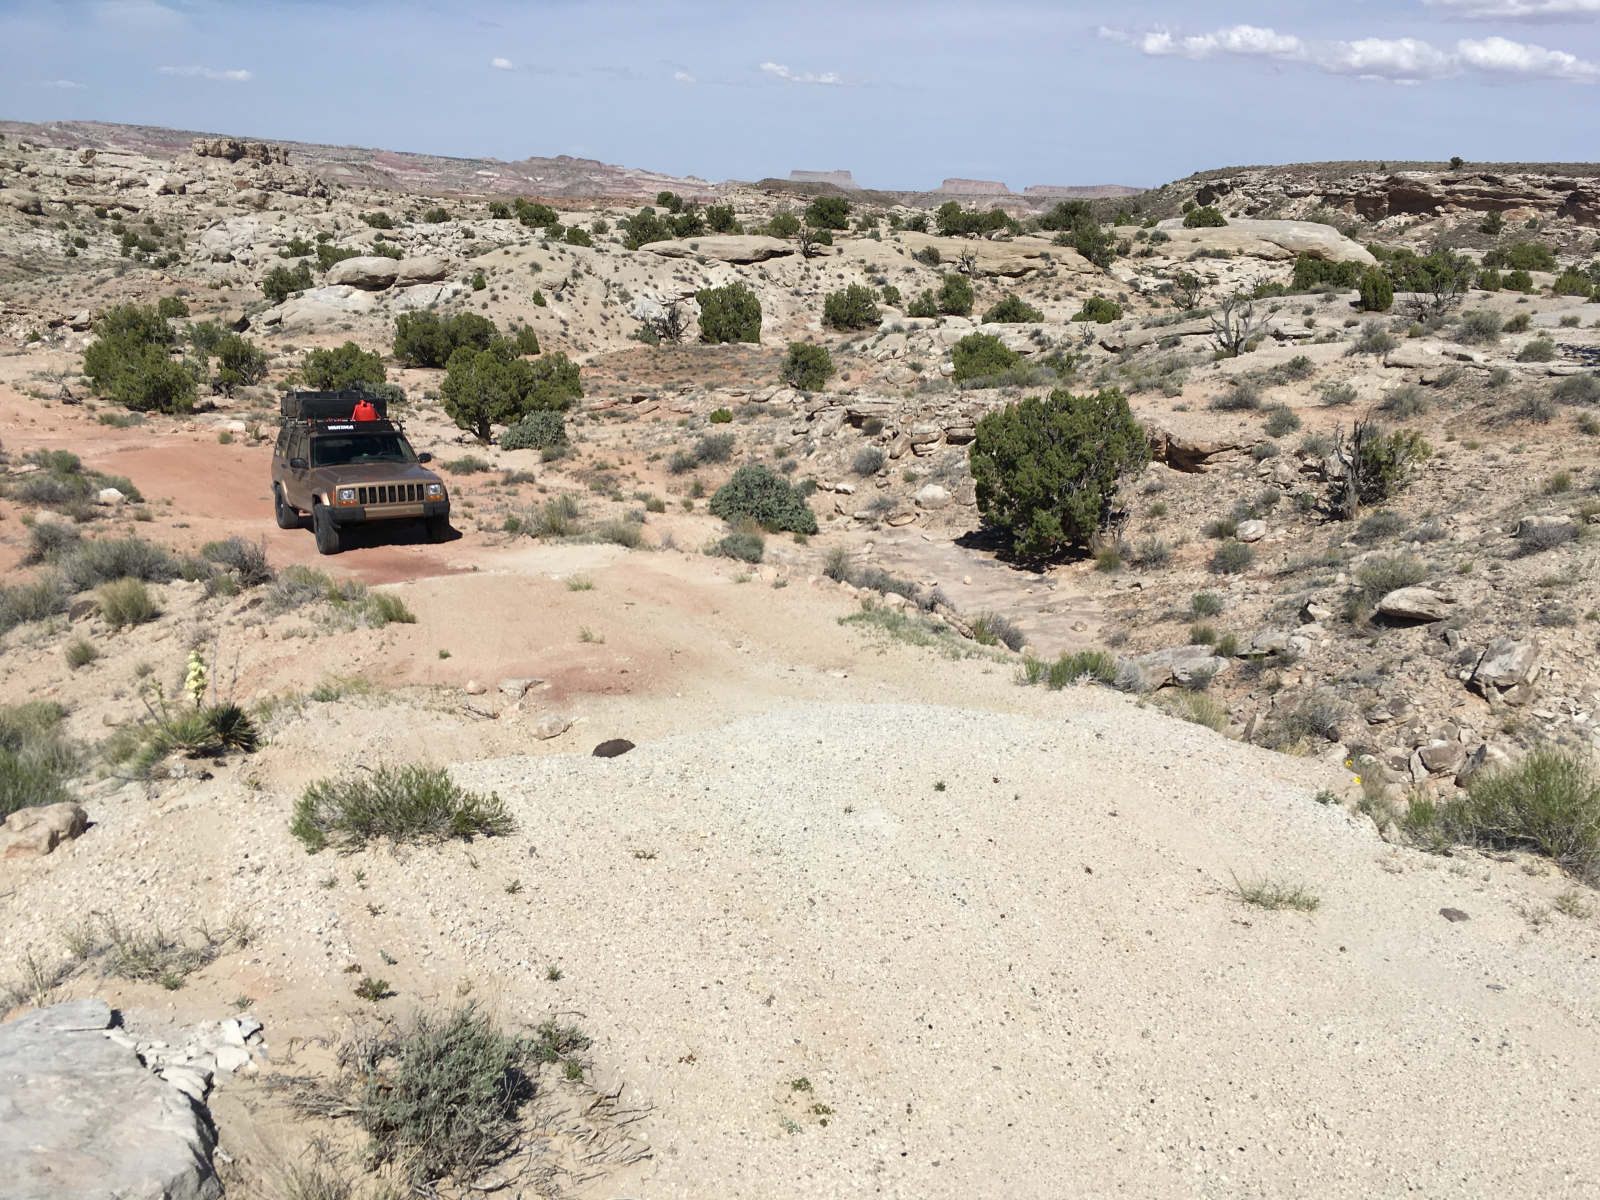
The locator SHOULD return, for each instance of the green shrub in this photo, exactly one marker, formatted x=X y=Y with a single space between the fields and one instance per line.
x=535 y=431
x=1381 y=524
x=346 y=366
x=955 y=296
x=1377 y=291
x=125 y=602
x=1099 y=310
x=1374 y=339
x=869 y=460
x=720 y=416
x=1206 y=604
x=1012 y=310
x=1518 y=323
x=440 y=1096
x=1549 y=802
x=714 y=448
x=618 y=533
x=784 y=224
x=1383 y=462
x=385 y=608
x=1095 y=665
x=807 y=368
x=1385 y=573
x=378 y=219
x=1480 y=327
x=1245 y=396
x=35 y=757
x=991 y=629
x=247 y=560
x=1232 y=557
x=1519 y=281
x=239 y=363
x=1281 y=420
x=1319 y=272
x=94 y=563
x=1541 y=349
x=852 y=308
x=498 y=386
x=1195 y=707
x=1203 y=218
x=746 y=547
x=422 y=339
x=980 y=356
x=399 y=803
x=1577 y=389
x=720 y=219
x=1573 y=283
x=766 y=498
x=828 y=212
x=1046 y=469
x=643 y=228
x=24 y=602
x=1489 y=280
x=1522 y=256
x=729 y=314
x=281 y=282
x=129 y=362
x=924 y=306
x=956 y=221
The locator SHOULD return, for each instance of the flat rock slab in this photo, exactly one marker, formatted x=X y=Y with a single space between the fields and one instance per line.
x=81 y=1117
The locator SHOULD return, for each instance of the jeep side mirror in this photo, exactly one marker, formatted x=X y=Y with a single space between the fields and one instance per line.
x=424 y=457
x=297 y=464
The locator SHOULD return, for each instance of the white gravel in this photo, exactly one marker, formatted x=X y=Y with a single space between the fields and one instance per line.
x=1036 y=981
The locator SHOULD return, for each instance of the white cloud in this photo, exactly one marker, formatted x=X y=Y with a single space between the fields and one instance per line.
x=1498 y=56
x=684 y=77
x=783 y=72
x=1398 y=60
x=502 y=64
x=61 y=84
x=208 y=73
x=1520 y=10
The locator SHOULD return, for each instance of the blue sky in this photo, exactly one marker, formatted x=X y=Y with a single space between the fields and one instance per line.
x=902 y=94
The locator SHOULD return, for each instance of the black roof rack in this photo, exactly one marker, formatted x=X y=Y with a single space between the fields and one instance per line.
x=330 y=406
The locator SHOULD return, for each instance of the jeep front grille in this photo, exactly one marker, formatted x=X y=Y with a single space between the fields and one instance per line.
x=393 y=493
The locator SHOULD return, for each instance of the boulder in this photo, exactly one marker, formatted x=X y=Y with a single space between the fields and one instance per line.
x=729 y=248
x=110 y=495
x=428 y=269
x=1442 y=757
x=516 y=687
x=551 y=725
x=34 y=832
x=79 y=321
x=253 y=198
x=22 y=200
x=1415 y=604
x=372 y=273
x=1179 y=664
x=473 y=688
x=1271 y=240
x=932 y=496
x=1506 y=664
x=1269 y=641
x=81 y=1116
x=1251 y=531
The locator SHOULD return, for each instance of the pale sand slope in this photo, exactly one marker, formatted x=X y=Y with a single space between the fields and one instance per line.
x=986 y=1017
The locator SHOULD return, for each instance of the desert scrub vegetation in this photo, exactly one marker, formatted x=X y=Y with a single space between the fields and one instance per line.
x=151 y=954
x=991 y=629
x=980 y=356
x=438 y=1094
x=729 y=314
x=36 y=757
x=1046 y=469
x=125 y=602
x=807 y=368
x=352 y=603
x=1087 y=666
x=853 y=308
x=1274 y=894
x=757 y=494
x=402 y=804
x=1549 y=802
x=63 y=482
x=913 y=629
x=130 y=362
x=1195 y=707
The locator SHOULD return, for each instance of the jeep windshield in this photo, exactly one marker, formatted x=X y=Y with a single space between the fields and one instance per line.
x=358 y=448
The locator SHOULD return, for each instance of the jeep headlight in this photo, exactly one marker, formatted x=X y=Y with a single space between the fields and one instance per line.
x=347 y=495
x=435 y=491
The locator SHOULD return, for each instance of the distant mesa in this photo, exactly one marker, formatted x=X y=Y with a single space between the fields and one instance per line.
x=974 y=187
x=839 y=179
x=1095 y=191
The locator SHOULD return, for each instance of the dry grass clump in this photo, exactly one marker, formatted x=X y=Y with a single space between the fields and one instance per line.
x=399 y=803
x=1274 y=894
x=1549 y=802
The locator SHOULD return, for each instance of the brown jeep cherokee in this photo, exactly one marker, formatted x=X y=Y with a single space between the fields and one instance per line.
x=342 y=460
